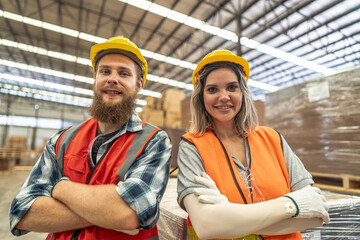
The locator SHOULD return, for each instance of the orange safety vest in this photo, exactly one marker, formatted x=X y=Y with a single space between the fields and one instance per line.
x=267 y=165
x=72 y=159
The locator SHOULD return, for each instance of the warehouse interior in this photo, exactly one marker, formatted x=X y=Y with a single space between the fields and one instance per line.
x=304 y=58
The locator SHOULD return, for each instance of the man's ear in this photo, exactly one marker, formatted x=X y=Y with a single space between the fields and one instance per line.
x=139 y=84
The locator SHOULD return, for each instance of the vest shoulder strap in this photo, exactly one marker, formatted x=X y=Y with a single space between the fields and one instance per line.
x=140 y=140
x=66 y=139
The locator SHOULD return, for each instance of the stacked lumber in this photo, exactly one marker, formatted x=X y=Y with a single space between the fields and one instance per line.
x=18 y=143
x=8 y=159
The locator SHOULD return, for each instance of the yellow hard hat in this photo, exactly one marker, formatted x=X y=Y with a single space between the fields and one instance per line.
x=218 y=56
x=121 y=45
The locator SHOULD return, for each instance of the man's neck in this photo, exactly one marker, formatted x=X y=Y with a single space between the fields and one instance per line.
x=107 y=128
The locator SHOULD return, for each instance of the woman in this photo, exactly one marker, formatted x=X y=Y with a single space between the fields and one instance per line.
x=237 y=179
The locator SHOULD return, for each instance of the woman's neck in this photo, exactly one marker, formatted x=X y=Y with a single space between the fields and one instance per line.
x=225 y=131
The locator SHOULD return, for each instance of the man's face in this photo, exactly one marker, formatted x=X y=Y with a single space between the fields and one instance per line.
x=116 y=78
x=115 y=89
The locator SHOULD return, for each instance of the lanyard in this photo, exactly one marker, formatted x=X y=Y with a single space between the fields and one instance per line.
x=232 y=170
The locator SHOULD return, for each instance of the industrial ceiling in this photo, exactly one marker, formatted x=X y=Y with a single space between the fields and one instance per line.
x=44 y=44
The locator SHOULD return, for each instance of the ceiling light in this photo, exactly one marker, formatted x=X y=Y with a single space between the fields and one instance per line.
x=91 y=38
x=277 y=53
x=193 y=22
x=155 y=8
x=177 y=16
x=210 y=29
x=150 y=93
x=262 y=85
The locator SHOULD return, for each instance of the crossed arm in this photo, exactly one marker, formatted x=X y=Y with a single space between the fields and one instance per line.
x=229 y=220
x=213 y=216
x=75 y=206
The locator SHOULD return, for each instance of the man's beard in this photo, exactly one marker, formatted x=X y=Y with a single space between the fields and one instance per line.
x=118 y=113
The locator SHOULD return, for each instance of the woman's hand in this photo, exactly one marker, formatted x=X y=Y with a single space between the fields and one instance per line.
x=211 y=193
x=310 y=203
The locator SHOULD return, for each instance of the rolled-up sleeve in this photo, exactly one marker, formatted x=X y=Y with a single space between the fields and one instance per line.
x=146 y=180
x=43 y=175
x=190 y=165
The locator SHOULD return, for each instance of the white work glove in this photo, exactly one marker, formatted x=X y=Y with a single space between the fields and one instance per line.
x=130 y=232
x=311 y=203
x=210 y=194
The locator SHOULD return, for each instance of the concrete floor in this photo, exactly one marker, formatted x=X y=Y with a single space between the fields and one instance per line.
x=10 y=184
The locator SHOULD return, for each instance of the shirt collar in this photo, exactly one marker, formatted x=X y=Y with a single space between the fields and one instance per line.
x=134 y=124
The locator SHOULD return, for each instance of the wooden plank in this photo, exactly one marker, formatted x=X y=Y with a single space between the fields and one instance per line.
x=331 y=175
x=7 y=172
x=336 y=188
x=337 y=182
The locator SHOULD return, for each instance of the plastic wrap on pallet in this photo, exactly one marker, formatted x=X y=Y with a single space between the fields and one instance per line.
x=344 y=221
x=320 y=119
x=172 y=221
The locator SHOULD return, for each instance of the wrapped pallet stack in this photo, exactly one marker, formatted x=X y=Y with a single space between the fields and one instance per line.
x=320 y=119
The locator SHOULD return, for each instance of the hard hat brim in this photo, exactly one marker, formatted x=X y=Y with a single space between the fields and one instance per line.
x=218 y=58
x=116 y=46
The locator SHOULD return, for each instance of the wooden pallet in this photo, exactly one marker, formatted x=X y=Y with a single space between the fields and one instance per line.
x=23 y=168
x=337 y=182
x=4 y=172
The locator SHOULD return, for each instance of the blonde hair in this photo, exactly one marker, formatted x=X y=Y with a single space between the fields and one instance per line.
x=246 y=119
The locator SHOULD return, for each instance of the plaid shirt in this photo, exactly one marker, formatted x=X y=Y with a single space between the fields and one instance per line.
x=142 y=189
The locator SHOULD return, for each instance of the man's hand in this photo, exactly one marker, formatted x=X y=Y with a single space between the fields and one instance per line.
x=211 y=194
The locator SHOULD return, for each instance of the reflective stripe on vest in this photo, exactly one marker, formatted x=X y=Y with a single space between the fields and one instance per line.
x=65 y=139
x=139 y=141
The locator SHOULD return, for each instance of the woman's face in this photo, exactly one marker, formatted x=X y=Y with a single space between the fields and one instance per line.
x=222 y=96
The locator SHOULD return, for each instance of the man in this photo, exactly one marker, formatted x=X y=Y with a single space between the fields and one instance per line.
x=103 y=178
